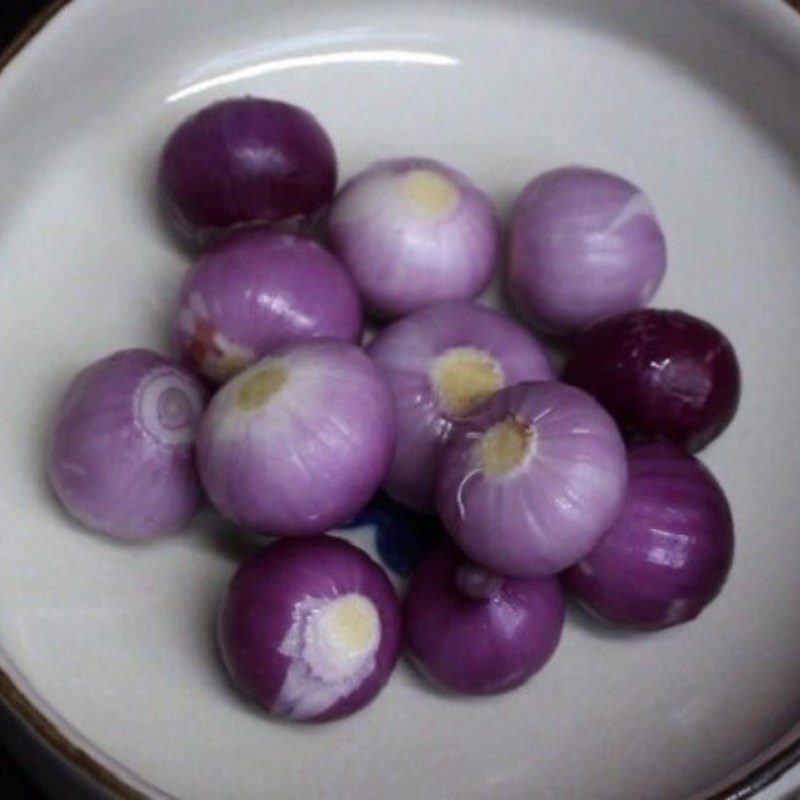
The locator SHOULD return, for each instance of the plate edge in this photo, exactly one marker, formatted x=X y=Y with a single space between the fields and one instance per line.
x=72 y=753
x=11 y=694
x=746 y=787
x=34 y=26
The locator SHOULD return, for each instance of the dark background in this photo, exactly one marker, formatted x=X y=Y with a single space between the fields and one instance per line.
x=14 y=16
x=14 y=781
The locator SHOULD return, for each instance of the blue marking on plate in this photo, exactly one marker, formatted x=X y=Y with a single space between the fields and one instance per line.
x=402 y=537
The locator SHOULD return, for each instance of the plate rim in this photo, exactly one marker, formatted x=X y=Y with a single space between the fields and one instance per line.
x=89 y=767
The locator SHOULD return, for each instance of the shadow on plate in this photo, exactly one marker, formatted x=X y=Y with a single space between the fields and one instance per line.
x=759 y=88
x=209 y=531
x=581 y=619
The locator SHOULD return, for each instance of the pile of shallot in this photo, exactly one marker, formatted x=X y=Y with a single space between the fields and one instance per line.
x=332 y=369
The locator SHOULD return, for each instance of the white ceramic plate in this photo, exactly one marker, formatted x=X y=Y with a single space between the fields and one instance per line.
x=697 y=100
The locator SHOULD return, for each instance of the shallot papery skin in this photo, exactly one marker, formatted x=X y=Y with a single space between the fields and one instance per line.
x=668 y=553
x=413 y=232
x=585 y=244
x=530 y=481
x=245 y=161
x=298 y=443
x=475 y=632
x=257 y=291
x=121 y=454
x=663 y=375
x=310 y=629
x=440 y=363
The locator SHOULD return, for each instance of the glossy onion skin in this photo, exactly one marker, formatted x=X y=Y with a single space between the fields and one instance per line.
x=668 y=554
x=403 y=258
x=121 y=455
x=313 y=455
x=661 y=374
x=479 y=645
x=551 y=510
x=405 y=351
x=585 y=244
x=257 y=291
x=266 y=599
x=243 y=161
